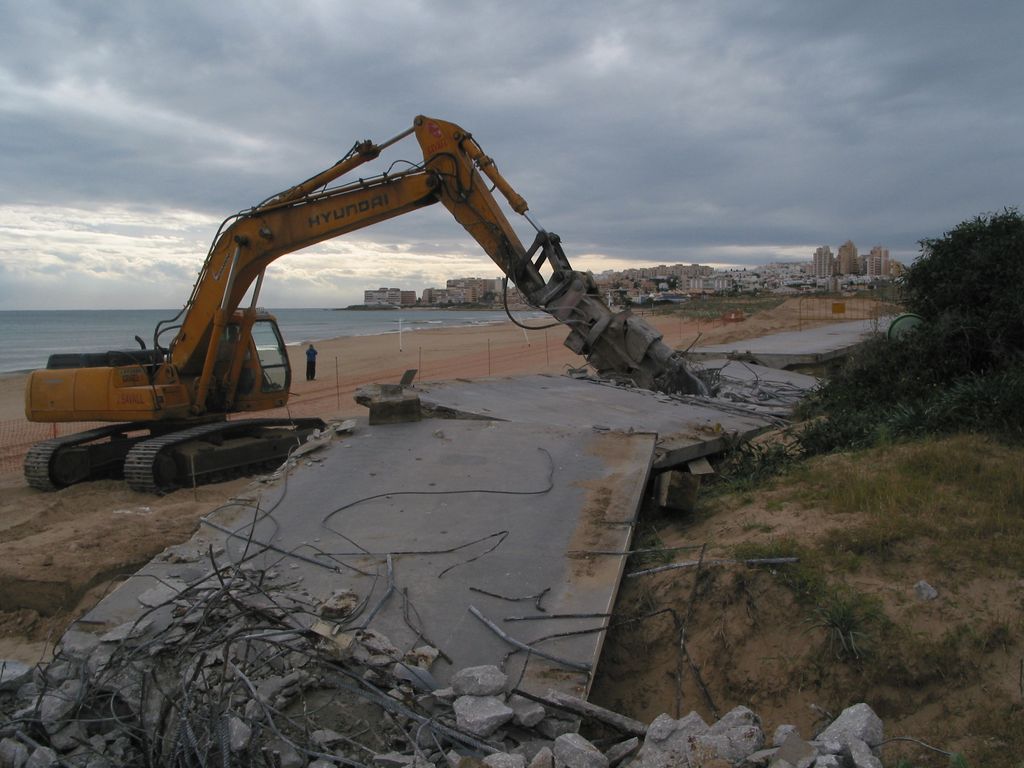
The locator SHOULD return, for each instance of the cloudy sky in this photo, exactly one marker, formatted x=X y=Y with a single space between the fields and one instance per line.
x=721 y=132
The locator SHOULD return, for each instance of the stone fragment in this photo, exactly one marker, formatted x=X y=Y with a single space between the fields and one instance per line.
x=54 y=706
x=162 y=593
x=828 y=761
x=781 y=733
x=285 y=754
x=374 y=649
x=70 y=736
x=573 y=751
x=505 y=760
x=13 y=754
x=856 y=722
x=326 y=738
x=553 y=727
x=424 y=656
x=42 y=757
x=759 y=759
x=481 y=715
x=734 y=736
x=393 y=760
x=827 y=746
x=455 y=759
x=859 y=755
x=486 y=680
x=239 y=734
x=126 y=630
x=340 y=604
x=418 y=677
x=13 y=674
x=77 y=644
x=669 y=742
x=925 y=591
x=528 y=712
x=797 y=752
x=621 y=751
x=544 y=758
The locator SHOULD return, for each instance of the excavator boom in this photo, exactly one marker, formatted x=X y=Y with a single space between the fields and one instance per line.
x=225 y=357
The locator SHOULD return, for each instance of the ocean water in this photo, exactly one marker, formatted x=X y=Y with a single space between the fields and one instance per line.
x=28 y=338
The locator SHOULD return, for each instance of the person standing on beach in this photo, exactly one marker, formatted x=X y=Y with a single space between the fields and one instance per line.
x=311 y=363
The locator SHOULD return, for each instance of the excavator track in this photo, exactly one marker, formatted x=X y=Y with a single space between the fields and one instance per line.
x=201 y=453
x=62 y=461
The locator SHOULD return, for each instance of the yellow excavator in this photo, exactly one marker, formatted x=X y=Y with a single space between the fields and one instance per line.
x=227 y=355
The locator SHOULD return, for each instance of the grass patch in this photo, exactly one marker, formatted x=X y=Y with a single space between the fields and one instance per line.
x=958 y=498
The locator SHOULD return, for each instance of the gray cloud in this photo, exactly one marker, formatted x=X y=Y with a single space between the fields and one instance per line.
x=641 y=131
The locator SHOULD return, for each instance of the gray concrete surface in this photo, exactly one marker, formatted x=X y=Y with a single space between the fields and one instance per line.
x=783 y=350
x=463 y=509
x=687 y=427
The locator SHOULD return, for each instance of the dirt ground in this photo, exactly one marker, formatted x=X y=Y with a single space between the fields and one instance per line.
x=747 y=641
x=61 y=552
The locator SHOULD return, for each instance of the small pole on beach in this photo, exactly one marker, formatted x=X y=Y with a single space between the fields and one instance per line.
x=526 y=338
x=399 y=334
x=337 y=381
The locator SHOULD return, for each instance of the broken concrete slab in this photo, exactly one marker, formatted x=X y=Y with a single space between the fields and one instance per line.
x=792 y=348
x=687 y=427
x=426 y=520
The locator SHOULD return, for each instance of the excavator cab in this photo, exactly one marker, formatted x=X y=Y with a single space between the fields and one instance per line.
x=273 y=358
x=251 y=371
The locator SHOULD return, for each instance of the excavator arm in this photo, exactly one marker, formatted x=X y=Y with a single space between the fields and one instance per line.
x=453 y=173
x=227 y=358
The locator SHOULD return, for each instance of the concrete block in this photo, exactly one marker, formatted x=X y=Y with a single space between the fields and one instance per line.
x=13 y=674
x=734 y=736
x=553 y=727
x=856 y=722
x=42 y=757
x=481 y=715
x=389 y=403
x=781 y=733
x=239 y=734
x=677 y=491
x=13 y=754
x=621 y=751
x=505 y=760
x=859 y=755
x=573 y=751
x=54 y=706
x=760 y=759
x=484 y=680
x=528 y=712
x=670 y=742
x=797 y=752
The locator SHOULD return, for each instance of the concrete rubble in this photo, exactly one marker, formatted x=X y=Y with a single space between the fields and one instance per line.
x=221 y=673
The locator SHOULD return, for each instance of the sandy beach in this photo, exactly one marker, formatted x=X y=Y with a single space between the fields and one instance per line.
x=59 y=552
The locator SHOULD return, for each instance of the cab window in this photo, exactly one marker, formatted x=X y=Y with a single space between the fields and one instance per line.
x=271 y=353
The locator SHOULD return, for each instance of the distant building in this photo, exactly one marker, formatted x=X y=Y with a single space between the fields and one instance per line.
x=878 y=262
x=389 y=297
x=847 y=262
x=824 y=262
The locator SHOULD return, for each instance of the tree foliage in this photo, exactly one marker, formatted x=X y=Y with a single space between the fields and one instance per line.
x=969 y=286
x=960 y=370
